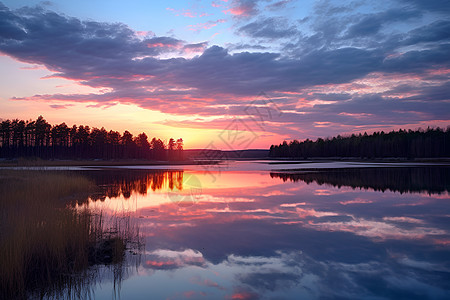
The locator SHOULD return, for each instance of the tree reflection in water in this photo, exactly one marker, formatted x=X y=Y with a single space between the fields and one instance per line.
x=431 y=180
x=116 y=183
x=265 y=236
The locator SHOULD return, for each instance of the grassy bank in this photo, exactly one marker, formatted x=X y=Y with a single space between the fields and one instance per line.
x=46 y=245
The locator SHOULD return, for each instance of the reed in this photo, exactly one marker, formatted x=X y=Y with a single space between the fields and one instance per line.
x=46 y=244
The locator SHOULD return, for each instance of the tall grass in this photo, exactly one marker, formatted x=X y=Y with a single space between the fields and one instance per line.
x=46 y=245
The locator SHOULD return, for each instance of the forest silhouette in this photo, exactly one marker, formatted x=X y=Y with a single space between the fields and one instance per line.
x=19 y=138
x=430 y=143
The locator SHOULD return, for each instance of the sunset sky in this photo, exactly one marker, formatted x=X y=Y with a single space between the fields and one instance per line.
x=229 y=74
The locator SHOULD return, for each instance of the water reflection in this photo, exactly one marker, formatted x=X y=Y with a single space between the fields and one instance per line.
x=418 y=179
x=251 y=235
x=261 y=235
x=49 y=248
x=114 y=183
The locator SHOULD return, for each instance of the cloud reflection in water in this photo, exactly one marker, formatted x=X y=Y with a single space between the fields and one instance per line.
x=284 y=239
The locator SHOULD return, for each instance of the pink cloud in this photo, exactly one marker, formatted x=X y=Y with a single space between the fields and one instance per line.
x=243 y=295
x=162 y=45
x=162 y=264
x=242 y=8
x=237 y=11
x=145 y=33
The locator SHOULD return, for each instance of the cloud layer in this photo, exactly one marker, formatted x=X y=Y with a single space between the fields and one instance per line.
x=346 y=66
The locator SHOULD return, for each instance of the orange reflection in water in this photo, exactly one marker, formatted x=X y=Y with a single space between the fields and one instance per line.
x=165 y=200
x=238 y=219
x=153 y=189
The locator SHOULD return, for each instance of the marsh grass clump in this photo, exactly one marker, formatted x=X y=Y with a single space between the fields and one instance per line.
x=46 y=244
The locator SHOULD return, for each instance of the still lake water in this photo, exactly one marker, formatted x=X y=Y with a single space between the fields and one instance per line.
x=253 y=230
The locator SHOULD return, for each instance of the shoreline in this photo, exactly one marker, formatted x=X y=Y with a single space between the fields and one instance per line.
x=364 y=160
x=22 y=162
x=95 y=162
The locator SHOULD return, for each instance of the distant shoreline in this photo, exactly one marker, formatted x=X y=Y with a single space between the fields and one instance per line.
x=366 y=160
x=95 y=162
x=22 y=162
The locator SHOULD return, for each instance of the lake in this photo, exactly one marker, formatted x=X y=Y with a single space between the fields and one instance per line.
x=273 y=230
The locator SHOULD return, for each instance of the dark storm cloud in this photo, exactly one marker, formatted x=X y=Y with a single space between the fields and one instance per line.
x=71 y=46
x=439 y=6
x=419 y=61
x=242 y=46
x=390 y=109
x=327 y=8
x=429 y=93
x=163 y=41
x=337 y=65
x=331 y=96
x=367 y=30
x=434 y=32
x=372 y=23
x=104 y=54
x=217 y=71
x=195 y=47
x=270 y=28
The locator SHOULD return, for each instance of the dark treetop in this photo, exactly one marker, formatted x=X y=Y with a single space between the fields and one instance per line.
x=38 y=138
x=402 y=144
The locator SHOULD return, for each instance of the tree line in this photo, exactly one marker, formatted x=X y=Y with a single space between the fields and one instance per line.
x=19 y=138
x=430 y=143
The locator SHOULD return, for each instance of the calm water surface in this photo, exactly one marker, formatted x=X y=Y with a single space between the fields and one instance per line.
x=257 y=230
x=231 y=233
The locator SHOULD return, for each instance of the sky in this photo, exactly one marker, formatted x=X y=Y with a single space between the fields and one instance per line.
x=230 y=74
